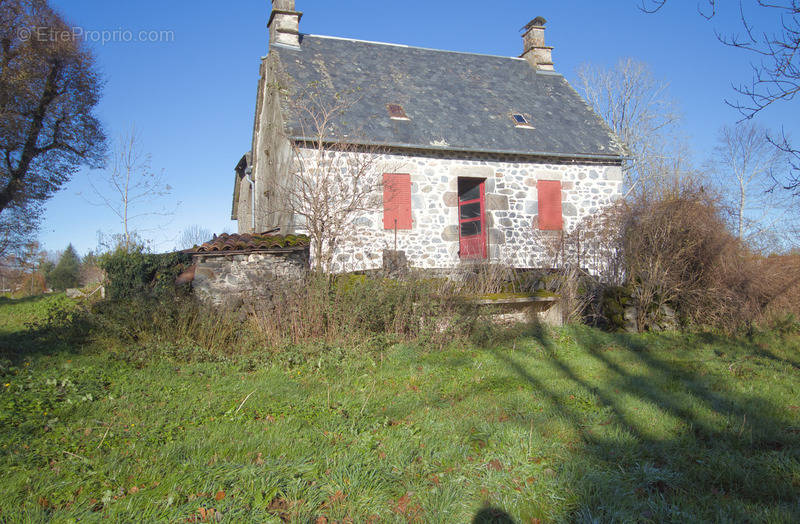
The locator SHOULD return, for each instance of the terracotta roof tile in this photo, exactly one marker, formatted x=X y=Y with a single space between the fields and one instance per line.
x=251 y=242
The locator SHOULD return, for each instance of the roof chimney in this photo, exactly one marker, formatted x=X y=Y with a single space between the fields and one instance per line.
x=284 y=23
x=539 y=55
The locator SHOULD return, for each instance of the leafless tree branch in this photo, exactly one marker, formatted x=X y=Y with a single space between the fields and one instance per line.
x=776 y=74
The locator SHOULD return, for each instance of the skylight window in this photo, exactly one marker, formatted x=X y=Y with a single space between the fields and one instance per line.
x=521 y=121
x=396 y=112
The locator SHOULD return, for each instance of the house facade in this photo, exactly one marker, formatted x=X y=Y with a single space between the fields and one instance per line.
x=472 y=157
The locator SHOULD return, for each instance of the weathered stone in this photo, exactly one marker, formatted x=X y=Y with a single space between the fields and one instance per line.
x=450 y=199
x=204 y=273
x=496 y=202
x=531 y=207
x=450 y=233
x=227 y=280
x=568 y=210
x=549 y=175
x=496 y=237
x=471 y=171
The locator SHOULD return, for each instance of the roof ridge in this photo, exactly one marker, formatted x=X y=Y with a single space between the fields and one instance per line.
x=409 y=46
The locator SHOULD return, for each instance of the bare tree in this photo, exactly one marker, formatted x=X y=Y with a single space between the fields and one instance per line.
x=332 y=181
x=193 y=235
x=131 y=188
x=748 y=164
x=48 y=92
x=637 y=107
x=776 y=73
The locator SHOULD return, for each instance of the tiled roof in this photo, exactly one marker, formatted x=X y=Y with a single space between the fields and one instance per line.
x=454 y=101
x=247 y=242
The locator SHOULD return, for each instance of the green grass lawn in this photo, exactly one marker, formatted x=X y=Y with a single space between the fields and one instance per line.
x=566 y=425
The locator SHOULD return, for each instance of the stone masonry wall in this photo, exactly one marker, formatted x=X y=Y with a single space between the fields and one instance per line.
x=233 y=280
x=511 y=208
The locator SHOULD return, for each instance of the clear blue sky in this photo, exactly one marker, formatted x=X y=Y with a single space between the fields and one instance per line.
x=193 y=97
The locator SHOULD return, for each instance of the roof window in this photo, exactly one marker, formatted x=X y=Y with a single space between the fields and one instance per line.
x=396 y=112
x=521 y=121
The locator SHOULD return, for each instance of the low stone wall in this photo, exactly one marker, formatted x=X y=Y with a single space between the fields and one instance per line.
x=234 y=279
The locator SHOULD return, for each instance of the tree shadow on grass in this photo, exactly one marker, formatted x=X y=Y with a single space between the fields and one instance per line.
x=709 y=452
x=57 y=326
x=750 y=345
x=492 y=515
x=21 y=300
x=20 y=345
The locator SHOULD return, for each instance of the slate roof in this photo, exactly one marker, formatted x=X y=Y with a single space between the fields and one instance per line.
x=247 y=242
x=455 y=101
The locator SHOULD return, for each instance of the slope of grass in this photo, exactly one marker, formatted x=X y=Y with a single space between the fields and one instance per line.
x=567 y=425
x=16 y=313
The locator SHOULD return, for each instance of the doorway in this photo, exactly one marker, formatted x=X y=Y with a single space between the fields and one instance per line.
x=472 y=218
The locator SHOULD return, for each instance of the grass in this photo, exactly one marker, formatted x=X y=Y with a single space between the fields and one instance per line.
x=545 y=426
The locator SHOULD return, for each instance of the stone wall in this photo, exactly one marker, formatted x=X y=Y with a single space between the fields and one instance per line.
x=511 y=208
x=232 y=280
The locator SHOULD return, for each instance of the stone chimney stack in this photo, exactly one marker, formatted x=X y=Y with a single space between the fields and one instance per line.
x=284 y=23
x=539 y=55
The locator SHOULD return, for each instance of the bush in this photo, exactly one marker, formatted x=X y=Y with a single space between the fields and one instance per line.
x=171 y=326
x=679 y=254
x=138 y=275
x=668 y=259
x=147 y=312
x=613 y=303
x=352 y=308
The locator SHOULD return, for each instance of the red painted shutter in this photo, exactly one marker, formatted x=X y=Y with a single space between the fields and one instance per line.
x=550 y=218
x=396 y=201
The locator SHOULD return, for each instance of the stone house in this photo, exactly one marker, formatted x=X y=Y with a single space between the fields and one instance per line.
x=480 y=157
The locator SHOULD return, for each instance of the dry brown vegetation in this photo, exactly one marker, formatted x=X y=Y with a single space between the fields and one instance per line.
x=674 y=253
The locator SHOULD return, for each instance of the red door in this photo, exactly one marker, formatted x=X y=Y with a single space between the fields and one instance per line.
x=471 y=218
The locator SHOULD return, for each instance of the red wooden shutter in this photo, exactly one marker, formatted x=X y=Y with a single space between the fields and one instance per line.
x=550 y=218
x=396 y=201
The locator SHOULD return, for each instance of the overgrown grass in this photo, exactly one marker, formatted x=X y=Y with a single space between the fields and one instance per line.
x=566 y=425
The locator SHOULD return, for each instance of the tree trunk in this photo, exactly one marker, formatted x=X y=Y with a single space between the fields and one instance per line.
x=15 y=183
x=741 y=212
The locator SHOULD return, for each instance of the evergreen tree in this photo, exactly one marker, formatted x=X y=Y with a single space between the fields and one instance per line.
x=67 y=272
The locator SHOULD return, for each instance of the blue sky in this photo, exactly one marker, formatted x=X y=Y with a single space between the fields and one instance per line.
x=192 y=95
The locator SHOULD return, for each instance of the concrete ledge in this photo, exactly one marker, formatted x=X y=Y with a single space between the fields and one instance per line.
x=519 y=300
x=512 y=310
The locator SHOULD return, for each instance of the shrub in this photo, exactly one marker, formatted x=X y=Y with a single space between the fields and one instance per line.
x=613 y=303
x=171 y=326
x=679 y=253
x=147 y=312
x=136 y=274
x=353 y=308
x=670 y=258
